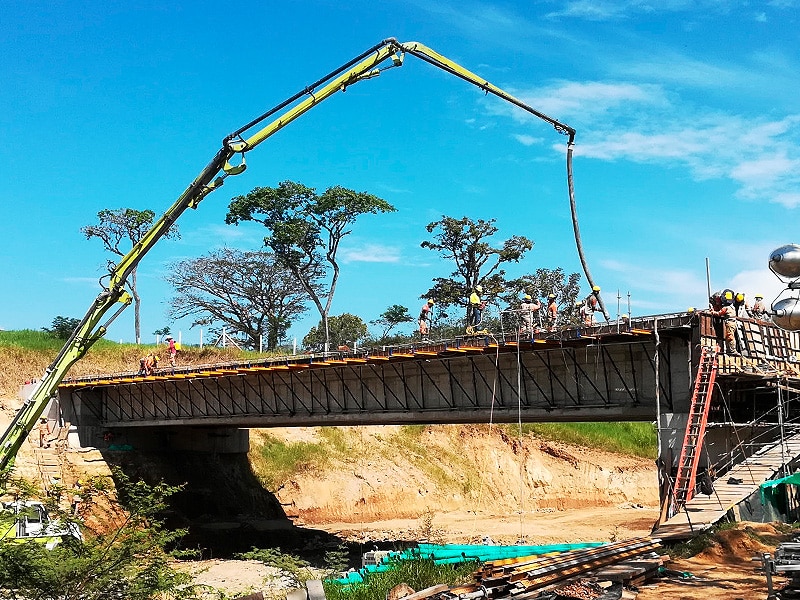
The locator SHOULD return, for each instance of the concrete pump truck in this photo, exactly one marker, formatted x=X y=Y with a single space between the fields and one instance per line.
x=222 y=165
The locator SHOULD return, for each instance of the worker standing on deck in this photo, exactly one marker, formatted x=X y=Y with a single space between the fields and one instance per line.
x=730 y=322
x=586 y=313
x=740 y=305
x=552 y=312
x=759 y=310
x=425 y=316
x=529 y=309
x=172 y=351
x=476 y=306
x=593 y=299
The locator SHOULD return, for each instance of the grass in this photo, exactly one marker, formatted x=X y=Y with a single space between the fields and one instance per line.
x=634 y=439
x=275 y=461
x=418 y=573
x=700 y=542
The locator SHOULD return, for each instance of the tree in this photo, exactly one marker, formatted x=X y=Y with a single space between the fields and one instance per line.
x=118 y=227
x=163 y=331
x=62 y=327
x=464 y=242
x=124 y=557
x=343 y=330
x=306 y=229
x=251 y=293
x=391 y=318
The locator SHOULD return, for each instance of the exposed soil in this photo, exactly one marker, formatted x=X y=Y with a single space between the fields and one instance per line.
x=458 y=484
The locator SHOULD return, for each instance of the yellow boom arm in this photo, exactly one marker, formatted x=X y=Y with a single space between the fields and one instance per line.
x=90 y=329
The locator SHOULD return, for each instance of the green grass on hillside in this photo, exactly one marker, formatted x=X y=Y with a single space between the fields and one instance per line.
x=276 y=461
x=634 y=439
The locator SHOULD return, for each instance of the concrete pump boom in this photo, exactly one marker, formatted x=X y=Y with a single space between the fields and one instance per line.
x=90 y=329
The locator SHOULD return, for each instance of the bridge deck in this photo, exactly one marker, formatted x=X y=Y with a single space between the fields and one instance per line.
x=487 y=344
x=701 y=512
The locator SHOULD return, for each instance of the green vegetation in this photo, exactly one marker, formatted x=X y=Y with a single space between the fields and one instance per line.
x=276 y=461
x=700 y=542
x=419 y=574
x=634 y=439
x=124 y=557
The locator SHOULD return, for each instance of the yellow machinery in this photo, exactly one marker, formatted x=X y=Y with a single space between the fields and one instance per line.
x=365 y=66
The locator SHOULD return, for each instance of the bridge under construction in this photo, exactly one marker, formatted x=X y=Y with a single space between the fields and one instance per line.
x=717 y=414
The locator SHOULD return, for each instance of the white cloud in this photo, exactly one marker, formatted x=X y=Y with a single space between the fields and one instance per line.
x=372 y=253
x=527 y=140
x=644 y=124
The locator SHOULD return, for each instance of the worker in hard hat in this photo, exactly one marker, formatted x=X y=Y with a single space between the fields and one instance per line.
x=730 y=322
x=552 y=312
x=759 y=310
x=740 y=304
x=529 y=313
x=425 y=316
x=593 y=299
x=476 y=306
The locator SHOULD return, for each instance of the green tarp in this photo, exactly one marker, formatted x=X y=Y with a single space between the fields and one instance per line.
x=455 y=553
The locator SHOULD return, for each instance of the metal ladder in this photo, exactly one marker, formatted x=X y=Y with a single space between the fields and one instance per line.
x=685 y=480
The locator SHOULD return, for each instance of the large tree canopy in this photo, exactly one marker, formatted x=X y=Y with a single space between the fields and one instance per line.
x=125 y=227
x=305 y=230
x=251 y=293
x=343 y=330
x=465 y=243
x=390 y=318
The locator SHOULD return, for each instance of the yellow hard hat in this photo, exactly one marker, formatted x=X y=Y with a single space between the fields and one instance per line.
x=431 y=302
x=478 y=288
x=578 y=303
x=739 y=296
x=596 y=288
x=759 y=296
x=728 y=295
x=552 y=296
x=527 y=296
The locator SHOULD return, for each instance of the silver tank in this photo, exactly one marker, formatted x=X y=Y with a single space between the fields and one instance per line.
x=785 y=261
x=786 y=313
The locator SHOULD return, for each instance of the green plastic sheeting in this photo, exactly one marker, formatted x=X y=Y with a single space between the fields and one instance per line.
x=455 y=553
x=774 y=495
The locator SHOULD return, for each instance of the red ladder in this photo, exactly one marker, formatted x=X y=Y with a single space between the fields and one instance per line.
x=696 y=427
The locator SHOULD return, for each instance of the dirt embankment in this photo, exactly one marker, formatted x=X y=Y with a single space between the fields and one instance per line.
x=465 y=482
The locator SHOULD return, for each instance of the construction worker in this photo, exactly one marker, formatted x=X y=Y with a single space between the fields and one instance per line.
x=148 y=364
x=425 y=315
x=740 y=304
x=476 y=306
x=44 y=431
x=593 y=299
x=172 y=351
x=585 y=312
x=529 y=310
x=730 y=322
x=552 y=312
x=759 y=310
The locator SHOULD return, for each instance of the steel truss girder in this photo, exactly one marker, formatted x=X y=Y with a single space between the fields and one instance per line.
x=532 y=384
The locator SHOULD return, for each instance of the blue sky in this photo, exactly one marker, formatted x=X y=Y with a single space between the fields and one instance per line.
x=687 y=147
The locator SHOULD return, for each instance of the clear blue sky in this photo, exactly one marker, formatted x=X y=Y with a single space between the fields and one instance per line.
x=687 y=117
